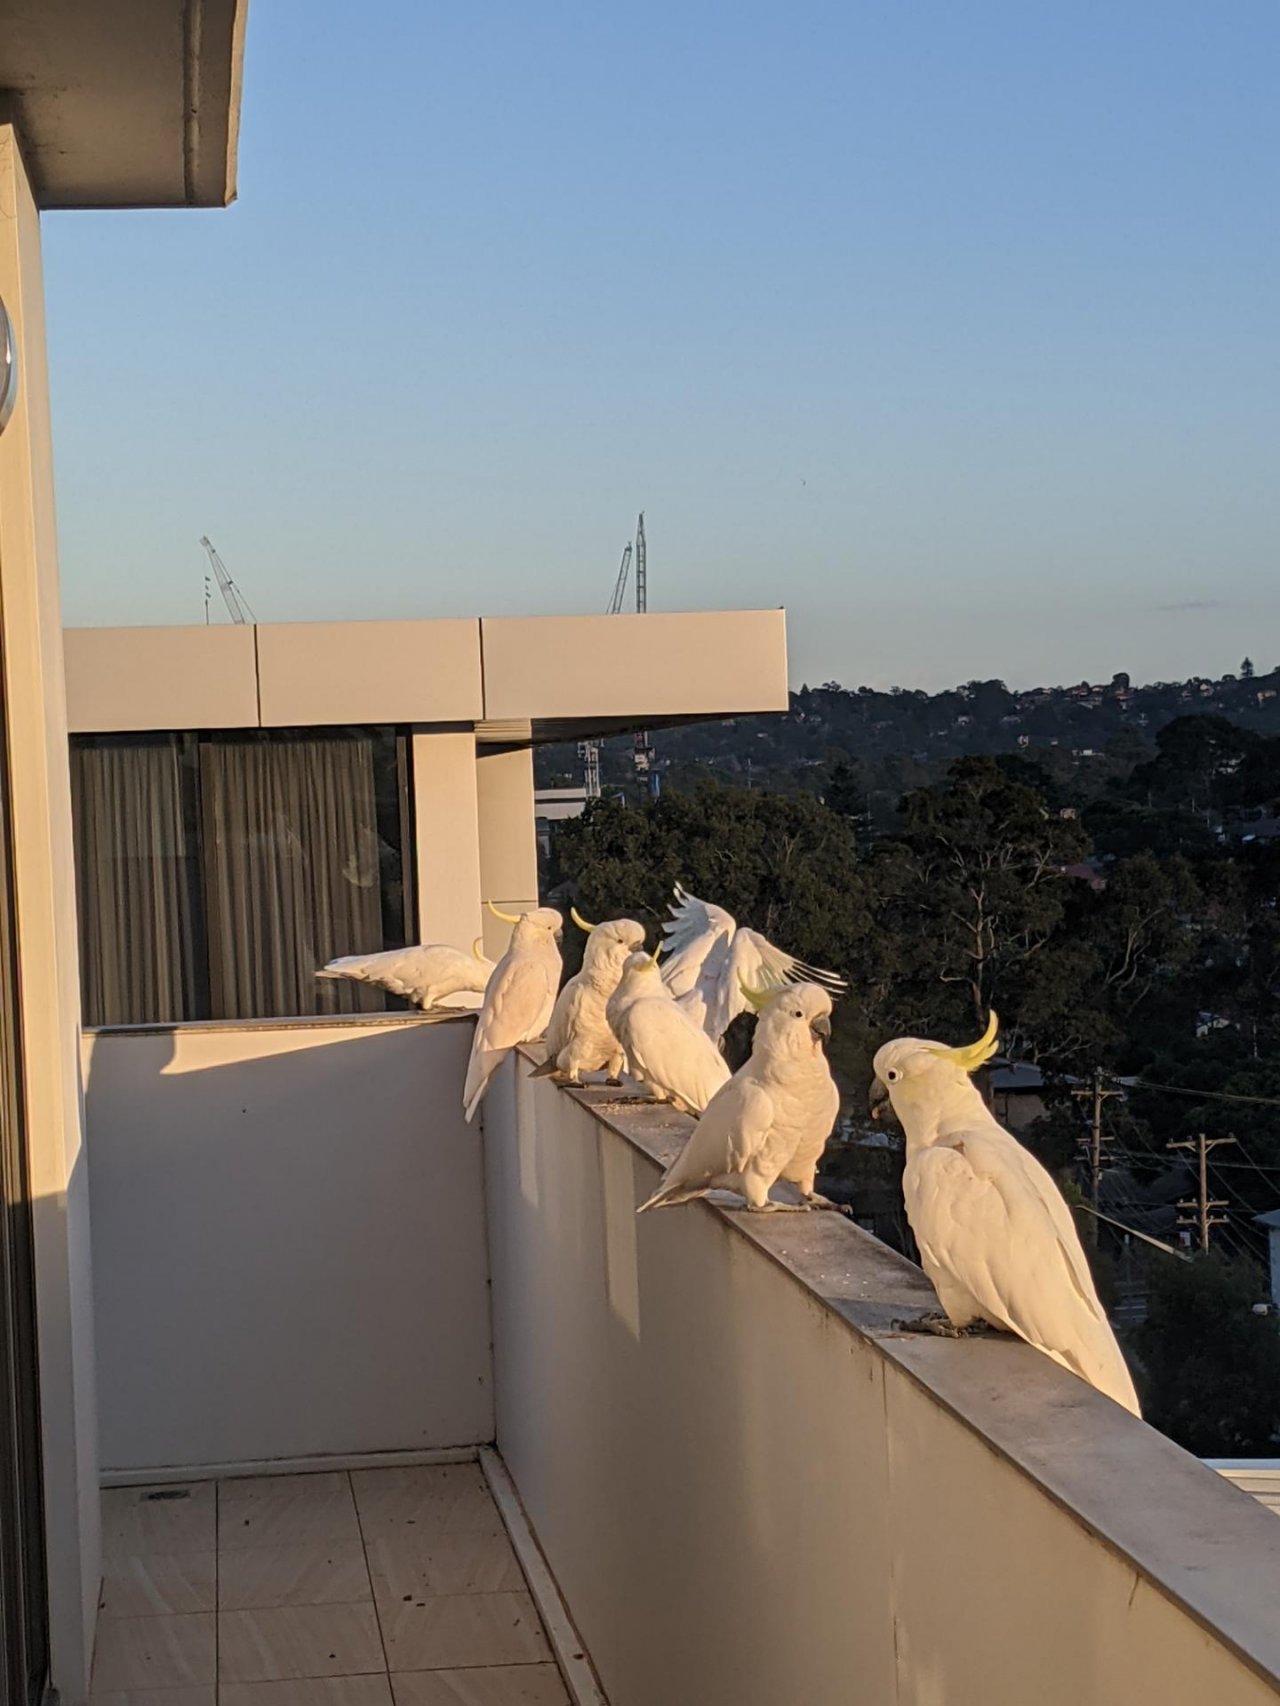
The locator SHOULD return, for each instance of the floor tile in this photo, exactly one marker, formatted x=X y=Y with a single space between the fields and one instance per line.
x=205 y=1695
x=151 y=1584
x=247 y=1489
x=298 y=1641
x=155 y=1652
x=470 y=1562
x=447 y=1500
x=288 y=1517
x=315 y=1691
x=494 y=1685
x=452 y=1631
x=331 y=1573
x=136 y=1520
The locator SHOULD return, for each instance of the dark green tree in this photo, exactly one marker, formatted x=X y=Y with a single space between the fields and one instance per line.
x=1212 y=1366
x=973 y=888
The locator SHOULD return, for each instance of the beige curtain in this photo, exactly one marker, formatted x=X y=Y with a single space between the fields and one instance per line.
x=137 y=886
x=291 y=855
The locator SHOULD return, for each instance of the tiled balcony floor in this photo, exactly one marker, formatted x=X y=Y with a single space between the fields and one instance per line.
x=382 y=1587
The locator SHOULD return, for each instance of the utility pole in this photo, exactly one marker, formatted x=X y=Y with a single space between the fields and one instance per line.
x=1204 y=1204
x=1098 y=1095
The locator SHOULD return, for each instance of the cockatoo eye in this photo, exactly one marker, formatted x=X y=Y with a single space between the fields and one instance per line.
x=892 y=1075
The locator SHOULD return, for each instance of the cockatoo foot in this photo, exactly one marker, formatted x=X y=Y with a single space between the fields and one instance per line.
x=772 y=1207
x=939 y=1325
x=815 y=1199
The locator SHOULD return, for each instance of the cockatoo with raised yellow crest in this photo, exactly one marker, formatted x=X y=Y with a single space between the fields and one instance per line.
x=771 y=1121
x=579 y=1037
x=427 y=974
x=994 y=1233
x=671 y=1054
x=519 y=998
x=710 y=960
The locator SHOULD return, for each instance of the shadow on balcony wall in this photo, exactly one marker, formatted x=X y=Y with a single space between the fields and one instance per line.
x=289 y=1243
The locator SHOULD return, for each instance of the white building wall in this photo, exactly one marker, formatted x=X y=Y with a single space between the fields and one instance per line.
x=49 y=971
x=289 y=1240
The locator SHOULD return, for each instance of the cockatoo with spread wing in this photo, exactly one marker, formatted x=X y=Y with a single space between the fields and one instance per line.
x=672 y=1055
x=579 y=1037
x=519 y=997
x=426 y=975
x=710 y=959
x=772 y=1119
x=994 y=1233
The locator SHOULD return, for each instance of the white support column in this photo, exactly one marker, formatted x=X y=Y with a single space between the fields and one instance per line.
x=508 y=839
x=446 y=827
x=44 y=878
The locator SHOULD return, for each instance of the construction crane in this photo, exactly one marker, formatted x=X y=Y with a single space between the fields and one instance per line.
x=589 y=750
x=620 y=585
x=237 y=605
x=644 y=754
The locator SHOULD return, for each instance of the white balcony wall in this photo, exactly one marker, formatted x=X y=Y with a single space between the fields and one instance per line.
x=752 y=1490
x=289 y=1243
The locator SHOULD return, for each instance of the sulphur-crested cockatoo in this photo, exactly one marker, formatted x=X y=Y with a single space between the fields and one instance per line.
x=426 y=975
x=519 y=997
x=994 y=1233
x=772 y=1119
x=710 y=959
x=578 y=1037
x=671 y=1054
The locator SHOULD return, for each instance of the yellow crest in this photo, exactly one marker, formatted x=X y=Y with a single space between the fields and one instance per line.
x=580 y=921
x=506 y=917
x=756 y=999
x=477 y=948
x=974 y=1055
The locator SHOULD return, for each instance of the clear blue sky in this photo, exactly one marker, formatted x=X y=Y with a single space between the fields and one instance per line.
x=952 y=327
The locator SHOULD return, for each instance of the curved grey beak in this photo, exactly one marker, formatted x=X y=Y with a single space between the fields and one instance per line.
x=877 y=1098
x=821 y=1026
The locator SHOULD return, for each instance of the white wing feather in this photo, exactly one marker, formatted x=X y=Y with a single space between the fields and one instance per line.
x=735 y=1123
x=990 y=1221
x=424 y=974
x=517 y=1008
x=666 y=1048
x=695 y=930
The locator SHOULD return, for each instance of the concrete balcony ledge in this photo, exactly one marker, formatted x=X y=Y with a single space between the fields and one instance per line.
x=999 y=1531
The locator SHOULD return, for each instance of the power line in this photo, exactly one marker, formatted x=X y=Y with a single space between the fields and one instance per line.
x=1203 y=1095
x=1169 y=1249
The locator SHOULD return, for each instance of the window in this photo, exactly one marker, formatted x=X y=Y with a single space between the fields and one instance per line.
x=217 y=872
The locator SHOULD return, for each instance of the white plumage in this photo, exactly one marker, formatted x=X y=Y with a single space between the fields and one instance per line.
x=994 y=1233
x=579 y=1036
x=518 y=1000
x=709 y=958
x=426 y=974
x=772 y=1119
x=672 y=1055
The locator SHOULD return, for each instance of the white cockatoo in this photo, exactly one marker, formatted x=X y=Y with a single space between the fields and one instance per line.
x=426 y=975
x=772 y=1119
x=579 y=1038
x=519 y=997
x=994 y=1233
x=710 y=959
x=666 y=1049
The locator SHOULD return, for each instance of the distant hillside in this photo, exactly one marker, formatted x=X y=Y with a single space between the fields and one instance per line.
x=879 y=744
